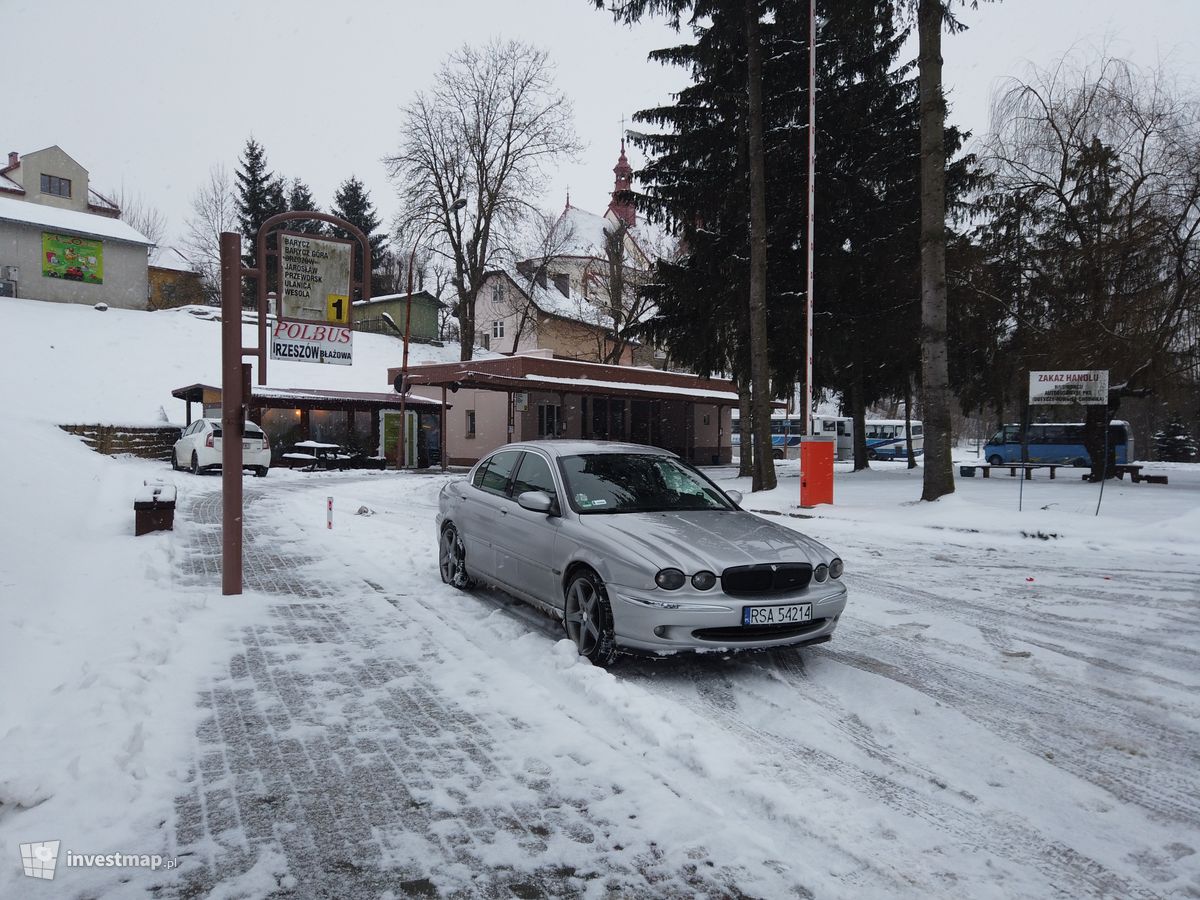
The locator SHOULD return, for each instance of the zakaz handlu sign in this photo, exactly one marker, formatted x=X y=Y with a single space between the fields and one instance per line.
x=310 y=342
x=1086 y=387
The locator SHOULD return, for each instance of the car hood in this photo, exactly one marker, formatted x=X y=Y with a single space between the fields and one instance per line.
x=713 y=540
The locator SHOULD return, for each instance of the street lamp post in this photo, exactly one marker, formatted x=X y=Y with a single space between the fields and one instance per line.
x=402 y=450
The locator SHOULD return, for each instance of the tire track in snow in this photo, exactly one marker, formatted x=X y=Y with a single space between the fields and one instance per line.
x=1070 y=873
x=1078 y=726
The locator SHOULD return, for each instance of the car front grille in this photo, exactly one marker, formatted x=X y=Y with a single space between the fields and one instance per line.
x=758 y=632
x=780 y=578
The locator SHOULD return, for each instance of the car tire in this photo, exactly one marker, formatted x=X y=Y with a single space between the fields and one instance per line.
x=175 y=466
x=995 y=460
x=1079 y=463
x=588 y=618
x=871 y=454
x=260 y=472
x=195 y=467
x=777 y=454
x=452 y=559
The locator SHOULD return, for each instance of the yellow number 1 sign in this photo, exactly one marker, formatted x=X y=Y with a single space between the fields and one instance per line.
x=337 y=309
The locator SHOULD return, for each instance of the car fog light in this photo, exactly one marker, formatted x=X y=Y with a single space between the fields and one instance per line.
x=670 y=579
x=821 y=572
x=703 y=581
x=835 y=568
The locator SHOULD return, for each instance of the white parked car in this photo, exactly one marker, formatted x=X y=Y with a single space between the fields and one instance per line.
x=199 y=448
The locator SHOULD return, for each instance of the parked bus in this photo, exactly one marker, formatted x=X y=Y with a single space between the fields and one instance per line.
x=1051 y=442
x=786 y=431
x=888 y=438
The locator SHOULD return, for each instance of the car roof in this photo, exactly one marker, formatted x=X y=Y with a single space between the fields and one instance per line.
x=577 y=447
x=254 y=426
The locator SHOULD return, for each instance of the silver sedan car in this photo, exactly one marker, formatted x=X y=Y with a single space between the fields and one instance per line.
x=634 y=549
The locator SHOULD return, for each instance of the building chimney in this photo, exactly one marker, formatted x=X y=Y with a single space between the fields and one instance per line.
x=14 y=159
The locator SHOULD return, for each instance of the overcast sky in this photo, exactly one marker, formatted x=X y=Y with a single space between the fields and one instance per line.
x=150 y=95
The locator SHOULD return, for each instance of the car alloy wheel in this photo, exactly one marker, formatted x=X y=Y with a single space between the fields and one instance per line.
x=195 y=464
x=452 y=559
x=588 y=620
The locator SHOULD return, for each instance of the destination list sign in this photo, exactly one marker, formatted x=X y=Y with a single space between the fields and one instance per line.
x=314 y=275
x=314 y=280
x=1083 y=386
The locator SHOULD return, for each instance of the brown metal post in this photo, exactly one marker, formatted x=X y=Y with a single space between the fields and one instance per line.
x=231 y=413
x=442 y=429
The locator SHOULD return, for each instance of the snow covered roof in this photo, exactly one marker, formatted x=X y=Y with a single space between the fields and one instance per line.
x=8 y=184
x=385 y=298
x=551 y=300
x=99 y=200
x=86 y=224
x=583 y=233
x=170 y=258
x=524 y=372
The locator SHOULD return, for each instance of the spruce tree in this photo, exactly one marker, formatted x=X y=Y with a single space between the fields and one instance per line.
x=1174 y=443
x=300 y=199
x=353 y=203
x=260 y=195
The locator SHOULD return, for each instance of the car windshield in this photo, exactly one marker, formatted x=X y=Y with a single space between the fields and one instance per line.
x=637 y=482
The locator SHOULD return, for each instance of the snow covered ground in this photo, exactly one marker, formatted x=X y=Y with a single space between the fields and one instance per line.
x=1008 y=709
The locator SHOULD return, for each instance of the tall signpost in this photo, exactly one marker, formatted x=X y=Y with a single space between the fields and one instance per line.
x=313 y=324
x=1086 y=387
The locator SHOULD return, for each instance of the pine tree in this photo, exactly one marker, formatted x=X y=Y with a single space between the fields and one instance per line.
x=260 y=195
x=300 y=199
x=1174 y=443
x=353 y=203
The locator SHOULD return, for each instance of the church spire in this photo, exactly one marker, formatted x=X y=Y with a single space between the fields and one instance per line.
x=622 y=195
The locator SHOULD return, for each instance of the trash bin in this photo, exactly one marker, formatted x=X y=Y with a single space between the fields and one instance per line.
x=154 y=508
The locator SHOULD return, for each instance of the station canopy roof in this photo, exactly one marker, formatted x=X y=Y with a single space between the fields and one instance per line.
x=530 y=372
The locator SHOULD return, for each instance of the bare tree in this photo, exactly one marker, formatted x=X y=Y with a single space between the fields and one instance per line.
x=1105 y=162
x=617 y=284
x=140 y=215
x=214 y=210
x=485 y=133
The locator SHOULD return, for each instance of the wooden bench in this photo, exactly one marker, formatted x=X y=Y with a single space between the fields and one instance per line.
x=1012 y=469
x=291 y=460
x=154 y=508
x=1134 y=471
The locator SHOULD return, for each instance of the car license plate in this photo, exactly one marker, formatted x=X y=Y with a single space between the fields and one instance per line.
x=777 y=615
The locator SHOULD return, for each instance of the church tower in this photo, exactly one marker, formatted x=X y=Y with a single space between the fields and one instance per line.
x=622 y=195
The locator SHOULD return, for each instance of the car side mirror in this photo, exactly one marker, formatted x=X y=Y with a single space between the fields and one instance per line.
x=735 y=496
x=536 y=501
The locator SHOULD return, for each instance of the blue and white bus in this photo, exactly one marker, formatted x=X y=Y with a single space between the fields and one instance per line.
x=888 y=438
x=1051 y=442
x=786 y=431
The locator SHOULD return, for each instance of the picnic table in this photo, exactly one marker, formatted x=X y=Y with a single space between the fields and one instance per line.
x=317 y=455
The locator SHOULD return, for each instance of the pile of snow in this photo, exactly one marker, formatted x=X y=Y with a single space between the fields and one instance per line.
x=120 y=368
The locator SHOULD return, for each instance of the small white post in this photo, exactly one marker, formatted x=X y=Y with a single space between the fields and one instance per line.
x=328 y=512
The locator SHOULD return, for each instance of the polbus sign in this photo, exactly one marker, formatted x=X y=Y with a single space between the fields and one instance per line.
x=314 y=300
x=1088 y=387
x=307 y=342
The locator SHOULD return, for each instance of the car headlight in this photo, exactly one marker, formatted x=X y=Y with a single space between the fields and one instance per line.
x=836 y=568
x=704 y=581
x=821 y=572
x=670 y=579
